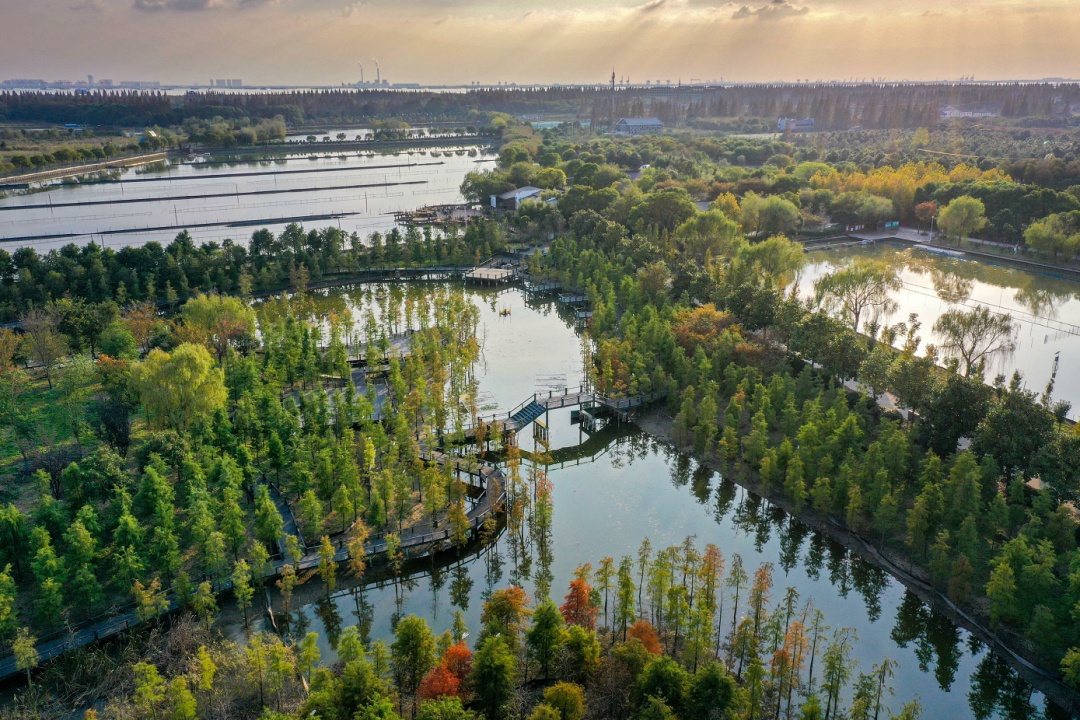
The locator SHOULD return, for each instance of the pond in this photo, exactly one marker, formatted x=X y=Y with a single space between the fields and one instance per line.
x=626 y=487
x=1045 y=309
x=220 y=197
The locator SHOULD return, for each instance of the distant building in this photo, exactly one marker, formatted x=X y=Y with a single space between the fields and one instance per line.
x=950 y=112
x=24 y=83
x=512 y=200
x=638 y=126
x=794 y=125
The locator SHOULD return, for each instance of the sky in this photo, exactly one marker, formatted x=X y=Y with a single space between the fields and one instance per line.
x=321 y=42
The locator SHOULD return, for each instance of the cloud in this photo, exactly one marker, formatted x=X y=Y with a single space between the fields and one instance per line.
x=652 y=6
x=776 y=10
x=183 y=5
x=90 y=6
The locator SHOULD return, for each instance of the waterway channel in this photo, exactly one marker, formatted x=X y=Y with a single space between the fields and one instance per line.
x=615 y=494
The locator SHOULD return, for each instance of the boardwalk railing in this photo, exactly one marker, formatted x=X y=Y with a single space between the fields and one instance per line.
x=567 y=397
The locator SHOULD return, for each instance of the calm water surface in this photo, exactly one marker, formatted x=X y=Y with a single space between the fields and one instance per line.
x=434 y=176
x=1045 y=309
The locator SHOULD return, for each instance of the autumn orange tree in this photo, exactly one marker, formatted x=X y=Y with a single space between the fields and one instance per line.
x=701 y=327
x=578 y=608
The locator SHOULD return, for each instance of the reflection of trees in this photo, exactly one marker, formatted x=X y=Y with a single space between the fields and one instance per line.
x=725 y=497
x=365 y=618
x=950 y=287
x=997 y=688
x=1040 y=301
x=933 y=635
x=701 y=483
x=327 y=611
x=870 y=582
x=301 y=625
x=681 y=469
x=815 y=555
x=839 y=569
x=460 y=587
x=792 y=534
x=438 y=580
x=494 y=568
x=953 y=279
x=750 y=518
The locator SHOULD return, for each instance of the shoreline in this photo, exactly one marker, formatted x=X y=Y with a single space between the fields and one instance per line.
x=658 y=425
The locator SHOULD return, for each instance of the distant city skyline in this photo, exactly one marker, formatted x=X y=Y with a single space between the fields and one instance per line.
x=321 y=42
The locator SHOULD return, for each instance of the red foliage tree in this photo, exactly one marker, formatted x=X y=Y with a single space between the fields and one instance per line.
x=440 y=682
x=578 y=608
x=458 y=660
x=646 y=633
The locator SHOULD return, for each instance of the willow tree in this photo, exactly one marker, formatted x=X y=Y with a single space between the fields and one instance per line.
x=865 y=286
x=180 y=387
x=962 y=216
x=975 y=336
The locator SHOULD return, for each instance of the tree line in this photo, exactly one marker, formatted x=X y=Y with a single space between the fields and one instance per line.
x=172 y=273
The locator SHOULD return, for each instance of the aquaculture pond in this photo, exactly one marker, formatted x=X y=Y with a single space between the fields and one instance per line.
x=217 y=196
x=1045 y=308
x=615 y=489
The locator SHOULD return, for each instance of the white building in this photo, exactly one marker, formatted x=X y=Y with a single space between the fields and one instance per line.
x=512 y=199
x=794 y=124
x=638 y=126
x=950 y=112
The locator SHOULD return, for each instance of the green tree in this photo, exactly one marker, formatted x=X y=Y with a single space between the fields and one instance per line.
x=308 y=654
x=204 y=603
x=566 y=698
x=1054 y=235
x=149 y=688
x=180 y=704
x=865 y=286
x=1001 y=591
x=412 y=654
x=179 y=388
x=665 y=679
x=24 y=648
x=493 y=676
x=546 y=634
x=962 y=216
x=712 y=693
x=975 y=336
x=242 y=588
x=624 y=595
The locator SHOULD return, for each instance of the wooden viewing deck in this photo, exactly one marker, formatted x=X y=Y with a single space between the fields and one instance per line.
x=490 y=276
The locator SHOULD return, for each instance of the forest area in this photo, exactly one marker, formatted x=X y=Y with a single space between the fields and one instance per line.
x=151 y=413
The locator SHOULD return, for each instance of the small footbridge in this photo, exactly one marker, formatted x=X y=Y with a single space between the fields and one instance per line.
x=539 y=403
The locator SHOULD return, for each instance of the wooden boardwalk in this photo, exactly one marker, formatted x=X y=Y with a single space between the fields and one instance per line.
x=418 y=540
x=533 y=407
